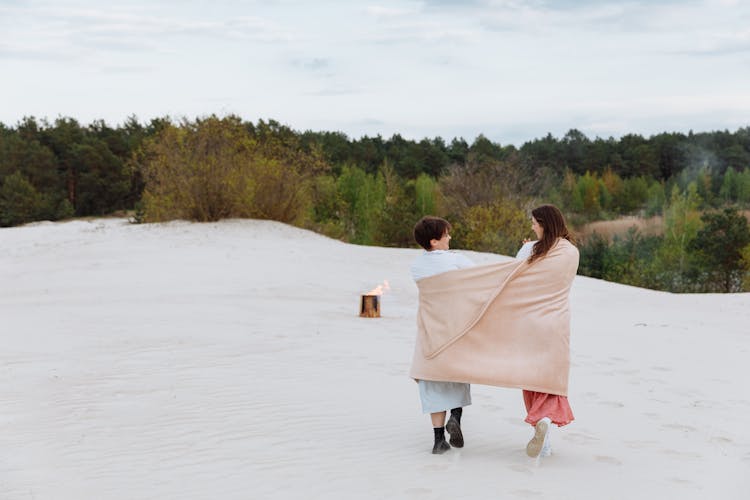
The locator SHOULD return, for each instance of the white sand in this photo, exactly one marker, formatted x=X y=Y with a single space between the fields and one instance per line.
x=227 y=361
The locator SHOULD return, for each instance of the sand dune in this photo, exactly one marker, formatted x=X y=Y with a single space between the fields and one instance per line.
x=227 y=361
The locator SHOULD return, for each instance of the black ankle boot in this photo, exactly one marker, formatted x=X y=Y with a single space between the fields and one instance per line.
x=440 y=445
x=457 y=412
x=454 y=428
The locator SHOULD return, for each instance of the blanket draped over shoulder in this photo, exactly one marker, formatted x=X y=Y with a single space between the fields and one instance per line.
x=502 y=324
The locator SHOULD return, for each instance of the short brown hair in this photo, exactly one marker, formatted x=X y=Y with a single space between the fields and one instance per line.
x=430 y=228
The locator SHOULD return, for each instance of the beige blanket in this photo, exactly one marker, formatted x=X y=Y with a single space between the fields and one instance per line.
x=502 y=324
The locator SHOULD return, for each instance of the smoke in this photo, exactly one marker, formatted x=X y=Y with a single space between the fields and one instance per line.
x=700 y=162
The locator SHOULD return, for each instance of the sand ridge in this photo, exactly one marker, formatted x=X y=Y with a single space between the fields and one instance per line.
x=227 y=360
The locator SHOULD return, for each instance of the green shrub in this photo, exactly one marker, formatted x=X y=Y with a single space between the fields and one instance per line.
x=498 y=227
x=214 y=168
x=19 y=201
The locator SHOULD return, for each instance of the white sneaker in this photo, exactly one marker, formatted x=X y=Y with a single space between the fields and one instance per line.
x=541 y=432
x=546 y=449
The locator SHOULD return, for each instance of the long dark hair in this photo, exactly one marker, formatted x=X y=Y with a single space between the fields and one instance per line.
x=553 y=223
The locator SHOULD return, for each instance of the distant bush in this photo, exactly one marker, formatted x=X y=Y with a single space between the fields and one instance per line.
x=19 y=201
x=361 y=201
x=200 y=171
x=498 y=227
x=719 y=247
x=215 y=168
x=745 y=253
x=627 y=259
x=425 y=189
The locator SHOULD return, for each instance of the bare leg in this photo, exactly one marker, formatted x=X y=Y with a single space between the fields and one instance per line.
x=438 y=419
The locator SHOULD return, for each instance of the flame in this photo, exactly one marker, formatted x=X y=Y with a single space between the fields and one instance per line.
x=380 y=289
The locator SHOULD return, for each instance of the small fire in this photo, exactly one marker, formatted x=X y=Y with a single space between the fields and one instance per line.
x=380 y=289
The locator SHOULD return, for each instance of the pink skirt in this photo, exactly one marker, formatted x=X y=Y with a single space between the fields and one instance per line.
x=541 y=404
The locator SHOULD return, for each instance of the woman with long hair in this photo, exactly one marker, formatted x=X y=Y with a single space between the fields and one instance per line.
x=545 y=409
x=506 y=324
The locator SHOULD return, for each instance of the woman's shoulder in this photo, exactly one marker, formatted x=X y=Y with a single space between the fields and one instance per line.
x=566 y=247
x=564 y=242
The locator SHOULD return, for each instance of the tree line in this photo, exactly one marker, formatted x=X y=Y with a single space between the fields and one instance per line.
x=371 y=190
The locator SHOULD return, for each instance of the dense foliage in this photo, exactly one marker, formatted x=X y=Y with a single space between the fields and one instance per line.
x=371 y=190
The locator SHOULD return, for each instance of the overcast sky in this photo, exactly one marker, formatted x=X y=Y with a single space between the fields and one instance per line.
x=513 y=70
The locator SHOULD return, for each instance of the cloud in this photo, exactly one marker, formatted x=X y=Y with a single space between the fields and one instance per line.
x=579 y=5
x=490 y=63
x=151 y=26
x=422 y=32
x=316 y=64
x=260 y=30
x=112 y=42
x=723 y=43
x=417 y=23
x=315 y=67
x=388 y=12
x=122 y=69
x=463 y=4
x=333 y=92
x=369 y=122
x=539 y=18
x=40 y=53
x=96 y=30
x=716 y=51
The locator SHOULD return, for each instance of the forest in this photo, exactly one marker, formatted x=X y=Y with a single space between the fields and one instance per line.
x=371 y=190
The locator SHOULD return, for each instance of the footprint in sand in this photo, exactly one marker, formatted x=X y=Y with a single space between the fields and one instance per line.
x=683 y=481
x=607 y=460
x=418 y=491
x=714 y=405
x=515 y=421
x=639 y=444
x=654 y=381
x=661 y=368
x=611 y=404
x=490 y=406
x=626 y=372
x=721 y=440
x=679 y=427
x=681 y=454
x=436 y=467
x=578 y=438
x=520 y=468
x=526 y=493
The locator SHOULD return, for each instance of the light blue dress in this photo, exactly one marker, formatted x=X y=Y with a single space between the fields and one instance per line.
x=440 y=396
